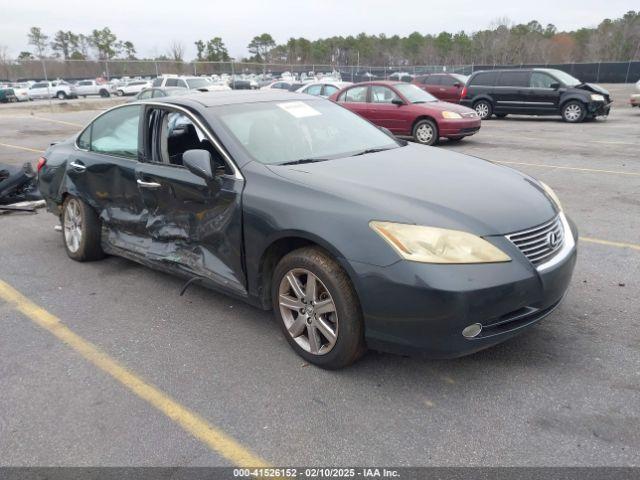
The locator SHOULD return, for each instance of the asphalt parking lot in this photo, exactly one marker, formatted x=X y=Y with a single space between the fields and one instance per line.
x=566 y=392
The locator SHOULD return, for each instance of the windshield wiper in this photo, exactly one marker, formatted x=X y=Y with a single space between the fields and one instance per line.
x=304 y=160
x=370 y=150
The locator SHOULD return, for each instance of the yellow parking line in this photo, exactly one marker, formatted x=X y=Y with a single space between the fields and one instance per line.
x=190 y=421
x=610 y=243
x=593 y=170
x=21 y=148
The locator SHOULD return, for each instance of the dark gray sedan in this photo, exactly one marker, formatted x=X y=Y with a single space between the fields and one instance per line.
x=291 y=202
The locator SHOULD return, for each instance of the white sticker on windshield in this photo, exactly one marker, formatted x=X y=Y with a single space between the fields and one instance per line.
x=299 y=109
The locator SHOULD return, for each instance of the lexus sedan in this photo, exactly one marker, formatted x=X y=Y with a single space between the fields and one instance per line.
x=406 y=110
x=290 y=202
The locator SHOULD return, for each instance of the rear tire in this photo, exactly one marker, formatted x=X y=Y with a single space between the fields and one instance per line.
x=574 y=111
x=296 y=313
x=425 y=132
x=484 y=109
x=81 y=230
x=104 y=94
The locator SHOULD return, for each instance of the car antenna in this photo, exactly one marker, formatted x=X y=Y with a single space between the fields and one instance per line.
x=188 y=284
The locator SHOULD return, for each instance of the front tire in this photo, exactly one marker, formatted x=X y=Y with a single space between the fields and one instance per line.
x=574 y=112
x=120 y=93
x=426 y=132
x=484 y=109
x=61 y=96
x=317 y=308
x=81 y=229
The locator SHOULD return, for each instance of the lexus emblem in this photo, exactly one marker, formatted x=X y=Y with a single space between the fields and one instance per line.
x=552 y=239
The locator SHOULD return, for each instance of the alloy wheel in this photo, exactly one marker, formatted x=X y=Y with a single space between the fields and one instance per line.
x=482 y=109
x=308 y=311
x=573 y=112
x=72 y=225
x=424 y=133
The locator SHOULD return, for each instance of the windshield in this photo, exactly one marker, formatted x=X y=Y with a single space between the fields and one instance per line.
x=414 y=94
x=283 y=132
x=565 y=78
x=198 y=82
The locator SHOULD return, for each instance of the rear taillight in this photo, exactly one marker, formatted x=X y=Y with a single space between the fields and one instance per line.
x=464 y=93
x=41 y=163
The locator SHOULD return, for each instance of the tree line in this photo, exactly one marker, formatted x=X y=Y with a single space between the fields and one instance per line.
x=502 y=43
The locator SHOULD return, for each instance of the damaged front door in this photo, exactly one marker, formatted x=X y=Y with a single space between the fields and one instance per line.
x=194 y=225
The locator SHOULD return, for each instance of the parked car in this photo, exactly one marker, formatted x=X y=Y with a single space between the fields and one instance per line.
x=634 y=100
x=322 y=89
x=534 y=91
x=58 y=89
x=354 y=238
x=7 y=95
x=406 y=110
x=157 y=92
x=92 y=87
x=201 y=84
x=278 y=85
x=21 y=91
x=444 y=86
x=132 y=88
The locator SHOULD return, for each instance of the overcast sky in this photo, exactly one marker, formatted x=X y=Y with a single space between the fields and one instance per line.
x=152 y=26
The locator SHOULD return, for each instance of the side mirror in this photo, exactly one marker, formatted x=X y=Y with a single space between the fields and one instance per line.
x=555 y=85
x=457 y=84
x=199 y=163
x=397 y=101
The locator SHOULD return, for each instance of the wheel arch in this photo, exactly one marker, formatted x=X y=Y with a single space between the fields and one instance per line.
x=278 y=247
x=424 y=117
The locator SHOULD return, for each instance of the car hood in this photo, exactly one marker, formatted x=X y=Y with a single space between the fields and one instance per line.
x=592 y=87
x=429 y=186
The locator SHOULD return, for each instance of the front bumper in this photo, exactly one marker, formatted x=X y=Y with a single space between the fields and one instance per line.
x=599 y=108
x=410 y=307
x=459 y=128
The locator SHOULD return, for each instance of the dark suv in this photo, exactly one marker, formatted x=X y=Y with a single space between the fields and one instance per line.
x=535 y=91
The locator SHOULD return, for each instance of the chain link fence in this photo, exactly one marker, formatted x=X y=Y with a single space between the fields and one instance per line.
x=71 y=70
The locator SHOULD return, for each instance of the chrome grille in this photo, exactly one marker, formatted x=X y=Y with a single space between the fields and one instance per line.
x=540 y=243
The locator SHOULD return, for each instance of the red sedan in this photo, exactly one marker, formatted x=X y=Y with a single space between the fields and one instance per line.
x=406 y=110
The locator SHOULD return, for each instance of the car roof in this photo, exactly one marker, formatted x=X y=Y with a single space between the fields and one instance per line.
x=214 y=99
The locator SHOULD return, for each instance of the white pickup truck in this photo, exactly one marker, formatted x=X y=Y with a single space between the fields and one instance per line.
x=58 y=89
x=92 y=87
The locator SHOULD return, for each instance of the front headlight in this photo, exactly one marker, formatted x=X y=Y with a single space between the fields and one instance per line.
x=552 y=195
x=437 y=245
x=448 y=114
x=595 y=97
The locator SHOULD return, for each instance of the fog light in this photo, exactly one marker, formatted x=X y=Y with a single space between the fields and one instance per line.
x=472 y=330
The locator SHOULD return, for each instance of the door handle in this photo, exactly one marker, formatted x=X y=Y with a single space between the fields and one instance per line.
x=144 y=184
x=76 y=165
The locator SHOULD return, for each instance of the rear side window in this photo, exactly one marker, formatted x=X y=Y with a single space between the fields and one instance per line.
x=330 y=90
x=172 y=82
x=513 y=79
x=484 y=78
x=157 y=82
x=354 y=95
x=116 y=132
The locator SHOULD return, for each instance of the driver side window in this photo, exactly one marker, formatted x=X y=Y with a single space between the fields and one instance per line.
x=541 y=80
x=382 y=95
x=172 y=133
